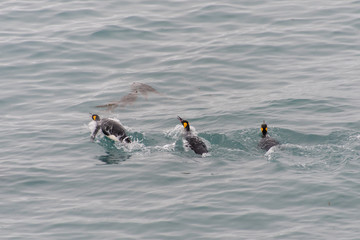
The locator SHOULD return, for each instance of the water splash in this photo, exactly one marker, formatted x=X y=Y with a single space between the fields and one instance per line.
x=166 y=148
x=174 y=133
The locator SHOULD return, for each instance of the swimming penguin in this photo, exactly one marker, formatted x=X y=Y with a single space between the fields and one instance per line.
x=195 y=143
x=111 y=128
x=266 y=142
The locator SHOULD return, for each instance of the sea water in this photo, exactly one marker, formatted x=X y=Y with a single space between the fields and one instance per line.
x=223 y=66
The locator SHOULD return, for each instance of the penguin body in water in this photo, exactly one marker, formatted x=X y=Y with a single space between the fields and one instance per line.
x=195 y=143
x=111 y=128
x=266 y=142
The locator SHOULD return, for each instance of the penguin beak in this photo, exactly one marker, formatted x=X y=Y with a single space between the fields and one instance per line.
x=180 y=119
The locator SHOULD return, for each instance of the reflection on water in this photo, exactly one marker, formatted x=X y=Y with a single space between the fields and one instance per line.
x=114 y=157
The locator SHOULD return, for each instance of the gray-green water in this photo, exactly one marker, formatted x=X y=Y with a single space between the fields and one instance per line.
x=225 y=67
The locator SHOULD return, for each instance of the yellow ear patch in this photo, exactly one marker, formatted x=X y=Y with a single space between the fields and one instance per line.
x=185 y=124
x=265 y=129
x=94 y=117
x=261 y=129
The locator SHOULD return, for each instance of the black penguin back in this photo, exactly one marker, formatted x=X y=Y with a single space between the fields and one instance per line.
x=196 y=144
x=111 y=127
x=267 y=142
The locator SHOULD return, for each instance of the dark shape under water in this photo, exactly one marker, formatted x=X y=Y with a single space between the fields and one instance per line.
x=111 y=128
x=144 y=89
x=114 y=157
x=195 y=143
x=130 y=98
x=266 y=142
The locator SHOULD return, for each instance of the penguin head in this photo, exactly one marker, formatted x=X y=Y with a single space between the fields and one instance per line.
x=95 y=117
x=185 y=124
x=264 y=129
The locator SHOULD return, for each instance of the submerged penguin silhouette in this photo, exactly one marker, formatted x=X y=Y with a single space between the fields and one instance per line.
x=130 y=98
x=266 y=142
x=195 y=143
x=111 y=128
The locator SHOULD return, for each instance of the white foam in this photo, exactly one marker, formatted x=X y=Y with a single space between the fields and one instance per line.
x=204 y=155
x=167 y=147
x=175 y=132
x=135 y=145
x=92 y=126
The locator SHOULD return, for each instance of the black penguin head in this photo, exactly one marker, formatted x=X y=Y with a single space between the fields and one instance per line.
x=95 y=117
x=264 y=129
x=185 y=124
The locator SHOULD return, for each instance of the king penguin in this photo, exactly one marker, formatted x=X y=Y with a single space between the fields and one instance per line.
x=266 y=142
x=111 y=128
x=195 y=143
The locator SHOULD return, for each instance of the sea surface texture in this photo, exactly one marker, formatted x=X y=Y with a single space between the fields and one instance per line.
x=225 y=66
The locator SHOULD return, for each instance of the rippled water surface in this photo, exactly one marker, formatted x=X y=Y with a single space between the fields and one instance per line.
x=225 y=67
